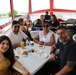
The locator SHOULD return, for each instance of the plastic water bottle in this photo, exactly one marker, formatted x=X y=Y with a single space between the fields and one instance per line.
x=27 y=43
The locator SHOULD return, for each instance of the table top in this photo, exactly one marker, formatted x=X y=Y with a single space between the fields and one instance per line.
x=34 y=60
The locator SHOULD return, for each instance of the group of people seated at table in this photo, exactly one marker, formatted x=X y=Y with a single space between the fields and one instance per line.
x=37 y=24
x=64 y=63
x=19 y=32
x=53 y=21
x=24 y=28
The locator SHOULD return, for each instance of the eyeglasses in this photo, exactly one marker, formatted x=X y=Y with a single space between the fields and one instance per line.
x=16 y=27
x=45 y=26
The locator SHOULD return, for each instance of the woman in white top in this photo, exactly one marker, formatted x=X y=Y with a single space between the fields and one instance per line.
x=45 y=37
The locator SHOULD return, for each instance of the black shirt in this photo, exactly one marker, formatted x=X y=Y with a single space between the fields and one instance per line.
x=47 y=17
x=67 y=52
x=29 y=35
x=55 y=24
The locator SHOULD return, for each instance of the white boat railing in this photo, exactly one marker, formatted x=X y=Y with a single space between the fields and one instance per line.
x=7 y=26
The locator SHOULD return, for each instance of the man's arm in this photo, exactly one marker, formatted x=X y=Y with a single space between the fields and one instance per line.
x=52 y=53
x=53 y=49
x=15 y=46
x=64 y=71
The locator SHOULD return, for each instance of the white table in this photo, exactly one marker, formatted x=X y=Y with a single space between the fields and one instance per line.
x=33 y=62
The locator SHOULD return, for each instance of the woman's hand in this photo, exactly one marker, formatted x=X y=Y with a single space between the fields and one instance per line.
x=25 y=72
x=41 y=43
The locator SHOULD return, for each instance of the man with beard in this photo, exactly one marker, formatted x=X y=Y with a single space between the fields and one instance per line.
x=67 y=55
x=16 y=35
x=63 y=63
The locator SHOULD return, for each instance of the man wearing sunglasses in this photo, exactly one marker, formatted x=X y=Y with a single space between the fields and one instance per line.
x=67 y=55
x=16 y=35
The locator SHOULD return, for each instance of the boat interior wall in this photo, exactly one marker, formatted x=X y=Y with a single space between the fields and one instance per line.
x=5 y=30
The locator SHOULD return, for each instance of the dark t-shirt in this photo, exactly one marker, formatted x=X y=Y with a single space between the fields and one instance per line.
x=55 y=24
x=47 y=17
x=29 y=35
x=67 y=52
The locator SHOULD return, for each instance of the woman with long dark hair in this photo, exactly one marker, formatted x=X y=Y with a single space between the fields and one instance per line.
x=54 y=23
x=7 y=59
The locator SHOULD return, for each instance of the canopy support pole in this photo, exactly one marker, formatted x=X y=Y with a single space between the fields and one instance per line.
x=51 y=6
x=12 y=10
x=30 y=7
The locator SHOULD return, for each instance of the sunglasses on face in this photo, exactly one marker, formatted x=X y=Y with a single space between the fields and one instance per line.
x=45 y=26
x=16 y=27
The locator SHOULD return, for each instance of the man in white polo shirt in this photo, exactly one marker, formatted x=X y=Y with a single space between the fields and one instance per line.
x=16 y=35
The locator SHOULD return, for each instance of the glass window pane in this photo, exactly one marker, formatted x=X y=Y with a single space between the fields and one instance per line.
x=4 y=9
